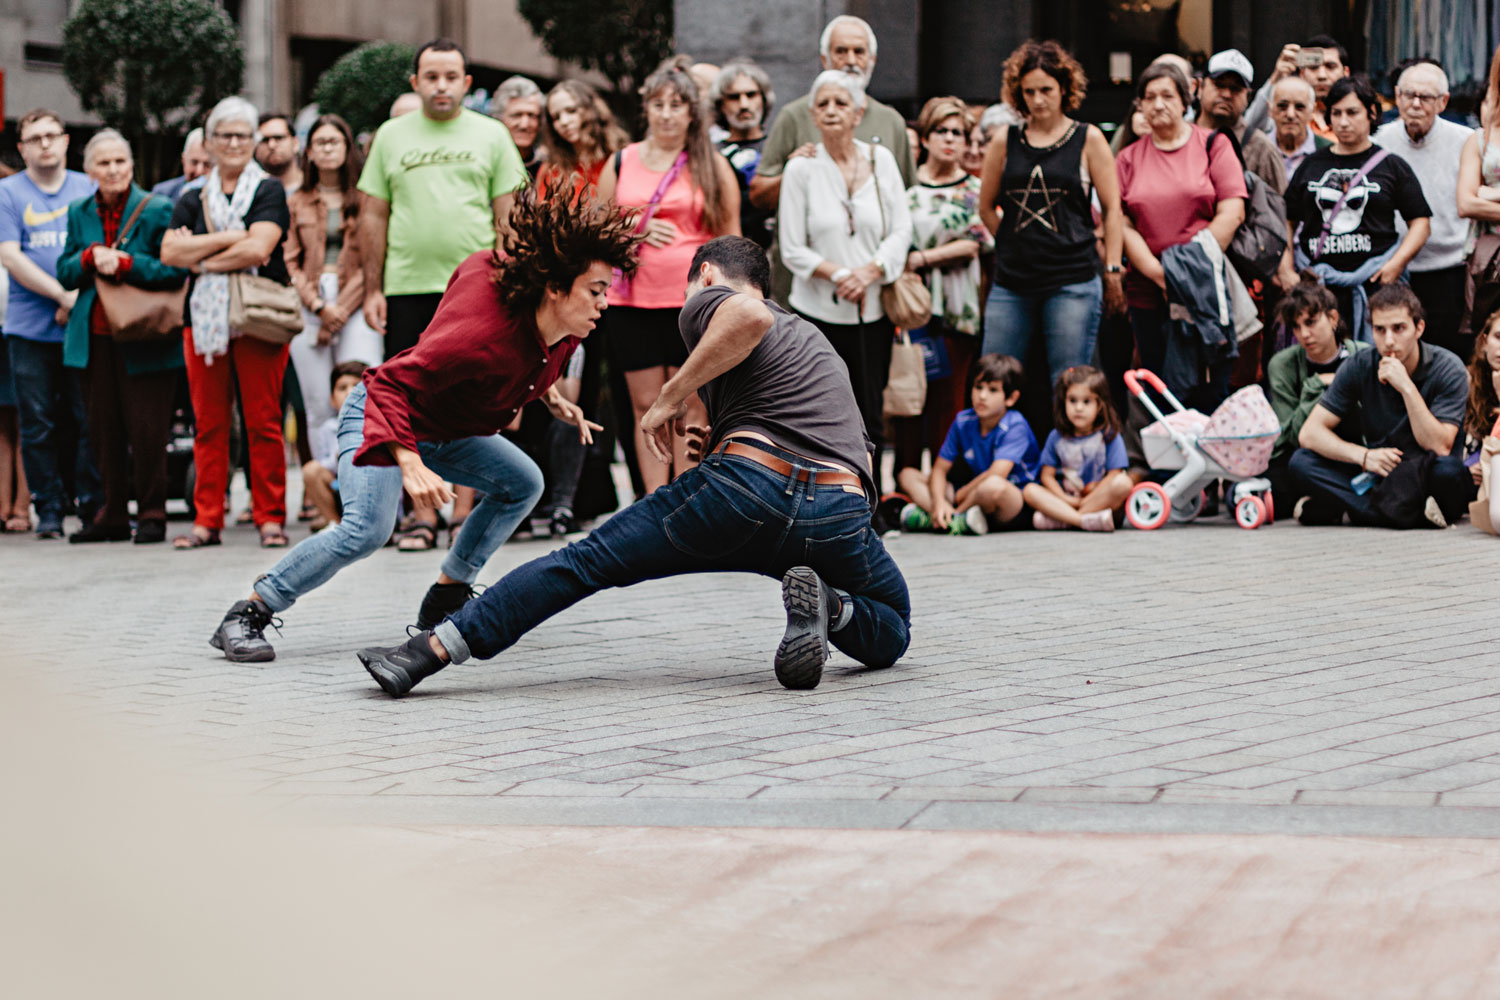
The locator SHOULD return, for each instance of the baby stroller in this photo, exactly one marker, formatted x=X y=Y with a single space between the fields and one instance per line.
x=1233 y=444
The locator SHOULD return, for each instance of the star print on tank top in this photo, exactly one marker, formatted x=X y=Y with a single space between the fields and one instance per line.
x=1046 y=237
x=1036 y=186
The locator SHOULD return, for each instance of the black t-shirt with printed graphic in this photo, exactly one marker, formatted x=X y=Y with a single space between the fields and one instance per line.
x=1366 y=225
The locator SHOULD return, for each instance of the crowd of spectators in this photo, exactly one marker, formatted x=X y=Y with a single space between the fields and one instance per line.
x=1054 y=259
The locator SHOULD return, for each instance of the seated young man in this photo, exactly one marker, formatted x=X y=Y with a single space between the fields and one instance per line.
x=989 y=454
x=1409 y=397
x=1300 y=374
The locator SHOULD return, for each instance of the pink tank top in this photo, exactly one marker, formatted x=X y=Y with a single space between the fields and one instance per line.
x=661 y=278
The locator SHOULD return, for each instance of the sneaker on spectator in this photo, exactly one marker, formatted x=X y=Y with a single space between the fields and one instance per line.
x=1099 y=520
x=1041 y=522
x=970 y=522
x=1434 y=513
x=914 y=518
x=1308 y=511
x=562 y=523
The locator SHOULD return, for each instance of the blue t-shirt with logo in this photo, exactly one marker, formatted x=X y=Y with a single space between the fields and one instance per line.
x=1079 y=461
x=1011 y=440
x=39 y=222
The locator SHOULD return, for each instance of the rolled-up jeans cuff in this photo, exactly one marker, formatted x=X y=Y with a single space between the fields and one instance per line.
x=273 y=598
x=846 y=611
x=452 y=640
x=459 y=569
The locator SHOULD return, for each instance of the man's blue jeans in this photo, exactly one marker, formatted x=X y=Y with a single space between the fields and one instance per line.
x=49 y=395
x=727 y=515
x=1068 y=317
x=1327 y=481
x=510 y=483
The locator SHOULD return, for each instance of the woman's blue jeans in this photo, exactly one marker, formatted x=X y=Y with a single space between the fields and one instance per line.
x=510 y=483
x=726 y=515
x=1068 y=317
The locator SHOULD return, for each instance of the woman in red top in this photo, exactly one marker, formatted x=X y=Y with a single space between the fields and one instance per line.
x=501 y=337
x=682 y=193
x=579 y=134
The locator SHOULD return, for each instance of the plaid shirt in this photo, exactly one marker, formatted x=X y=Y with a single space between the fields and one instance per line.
x=111 y=217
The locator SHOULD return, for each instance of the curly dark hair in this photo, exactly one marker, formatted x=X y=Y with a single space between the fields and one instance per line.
x=551 y=241
x=1052 y=59
x=1479 y=417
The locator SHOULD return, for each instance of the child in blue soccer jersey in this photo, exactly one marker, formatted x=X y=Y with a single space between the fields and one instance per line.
x=1083 y=483
x=988 y=456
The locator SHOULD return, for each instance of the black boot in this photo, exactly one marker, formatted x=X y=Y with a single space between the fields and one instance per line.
x=92 y=531
x=442 y=600
x=397 y=669
x=242 y=633
x=810 y=604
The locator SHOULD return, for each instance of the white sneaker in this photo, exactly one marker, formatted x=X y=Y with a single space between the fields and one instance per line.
x=975 y=522
x=1435 y=513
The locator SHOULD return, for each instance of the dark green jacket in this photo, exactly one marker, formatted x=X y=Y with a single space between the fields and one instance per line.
x=1295 y=390
x=85 y=229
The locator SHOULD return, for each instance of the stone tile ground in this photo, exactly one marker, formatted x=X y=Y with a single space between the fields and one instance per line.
x=1198 y=678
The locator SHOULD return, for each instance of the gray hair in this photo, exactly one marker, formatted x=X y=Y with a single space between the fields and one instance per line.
x=1430 y=68
x=738 y=67
x=996 y=115
x=513 y=88
x=825 y=41
x=1312 y=95
x=196 y=135
x=838 y=78
x=232 y=109
x=101 y=138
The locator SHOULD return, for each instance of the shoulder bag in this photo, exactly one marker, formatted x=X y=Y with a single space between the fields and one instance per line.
x=906 y=389
x=906 y=301
x=259 y=307
x=1482 y=283
x=135 y=313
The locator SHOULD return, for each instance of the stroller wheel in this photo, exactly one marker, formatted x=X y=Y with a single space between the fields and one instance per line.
x=1187 y=508
x=1250 y=513
x=1270 y=503
x=1148 y=507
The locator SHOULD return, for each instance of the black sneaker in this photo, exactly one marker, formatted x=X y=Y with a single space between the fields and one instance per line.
x=562 y=523
x=398 y=669
x=150 y=532
x=242 y=633
x=95 y=532
x=442 y=600
x=804 y=649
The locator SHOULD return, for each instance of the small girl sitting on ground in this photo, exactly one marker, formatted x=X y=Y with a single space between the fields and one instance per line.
x=1083 y=482
x=988 y=455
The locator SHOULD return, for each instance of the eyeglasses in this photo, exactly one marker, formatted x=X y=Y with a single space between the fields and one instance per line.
x=45 y=139
x=1412 y=95
x=332 y=142
x=231 y=138
x=275 y=138
x=738 y=95
x=956 y=133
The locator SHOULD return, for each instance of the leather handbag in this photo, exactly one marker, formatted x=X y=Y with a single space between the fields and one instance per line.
x=906 y=389
x=259 y=307
x=135 y=313
x=906 y=301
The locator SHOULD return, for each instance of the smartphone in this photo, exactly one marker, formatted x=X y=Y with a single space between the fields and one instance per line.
x=1308 y=58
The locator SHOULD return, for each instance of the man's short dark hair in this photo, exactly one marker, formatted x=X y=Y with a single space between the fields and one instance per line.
x=1000 y=368
x=355 y=368
x=271 y=116
x=1399 y=297
x=1329 y=42
x=740 y=259
x=437 y=45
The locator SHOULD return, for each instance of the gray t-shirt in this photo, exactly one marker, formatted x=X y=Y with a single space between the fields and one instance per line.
x=1440 y=378
x=792 y=388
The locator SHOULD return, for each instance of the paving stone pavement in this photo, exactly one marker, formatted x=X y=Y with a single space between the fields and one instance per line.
x=1199 y=678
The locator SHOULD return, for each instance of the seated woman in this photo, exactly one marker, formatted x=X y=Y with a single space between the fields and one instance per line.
x=1480 y=443
x=1299 y=374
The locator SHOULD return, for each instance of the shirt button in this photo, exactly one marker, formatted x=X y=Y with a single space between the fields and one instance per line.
x=529 y=388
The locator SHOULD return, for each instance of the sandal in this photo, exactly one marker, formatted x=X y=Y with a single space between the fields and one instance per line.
x=272 y=536
x=453 y=527
x=246 y=516
x=18 y=523
x=193 y=540
x=307 y=513
x=421 y=538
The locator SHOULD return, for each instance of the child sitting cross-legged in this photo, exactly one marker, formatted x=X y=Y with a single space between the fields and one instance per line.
x=988 y=455
x=1083 y=482
x=320 y=482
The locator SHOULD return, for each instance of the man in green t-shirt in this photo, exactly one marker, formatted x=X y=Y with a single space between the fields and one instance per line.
x=848 y=44
x=440 y=183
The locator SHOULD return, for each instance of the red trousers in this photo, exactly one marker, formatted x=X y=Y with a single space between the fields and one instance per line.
x=258 y=368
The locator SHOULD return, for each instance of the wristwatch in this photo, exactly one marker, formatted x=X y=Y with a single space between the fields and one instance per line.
x=1114 y=269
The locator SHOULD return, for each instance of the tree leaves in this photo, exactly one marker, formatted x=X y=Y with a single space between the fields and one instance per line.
x=623 y=39
x=362 y=84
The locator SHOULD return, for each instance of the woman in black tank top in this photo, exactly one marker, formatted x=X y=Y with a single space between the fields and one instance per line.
x=1036 y=197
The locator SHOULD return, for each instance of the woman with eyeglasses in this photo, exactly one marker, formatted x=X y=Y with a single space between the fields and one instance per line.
x=1037 y=186
x=247 y=207
x=845 y=231
x=323 y=259
x=948 y=238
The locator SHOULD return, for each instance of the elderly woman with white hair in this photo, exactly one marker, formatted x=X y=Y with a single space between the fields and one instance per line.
x=845 y=229
x=248 y=212
x=115 y=236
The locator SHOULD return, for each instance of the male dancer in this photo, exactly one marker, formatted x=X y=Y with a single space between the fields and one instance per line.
x=784 y=490
x=500 y=338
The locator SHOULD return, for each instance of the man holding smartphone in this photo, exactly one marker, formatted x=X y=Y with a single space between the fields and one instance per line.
x=1320 y=62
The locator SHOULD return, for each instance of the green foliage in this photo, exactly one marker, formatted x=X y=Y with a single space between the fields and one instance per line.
x=361 y=85
x=151 y=66
x=623 y=39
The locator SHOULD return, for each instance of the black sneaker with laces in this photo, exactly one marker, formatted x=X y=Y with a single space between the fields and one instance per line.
x=810 y=604
x=242 y=633
x=398 y=669
x=442 y=600
x=562 y=523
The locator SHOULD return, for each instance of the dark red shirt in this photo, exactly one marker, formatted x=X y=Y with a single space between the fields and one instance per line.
x=111 y=217
x=473 y=369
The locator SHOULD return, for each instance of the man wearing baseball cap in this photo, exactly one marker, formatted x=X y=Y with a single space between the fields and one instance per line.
x=1223 y=96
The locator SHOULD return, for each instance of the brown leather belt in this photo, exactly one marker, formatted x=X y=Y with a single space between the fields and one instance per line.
x=827 y=477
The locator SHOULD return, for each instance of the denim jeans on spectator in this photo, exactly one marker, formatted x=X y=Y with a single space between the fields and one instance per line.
x=1068 y=317
x=726 y=515
x=48 y=398
x=371 y=495
x=1324 y=479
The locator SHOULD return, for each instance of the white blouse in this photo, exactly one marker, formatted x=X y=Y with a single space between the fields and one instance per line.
x=813 y=224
